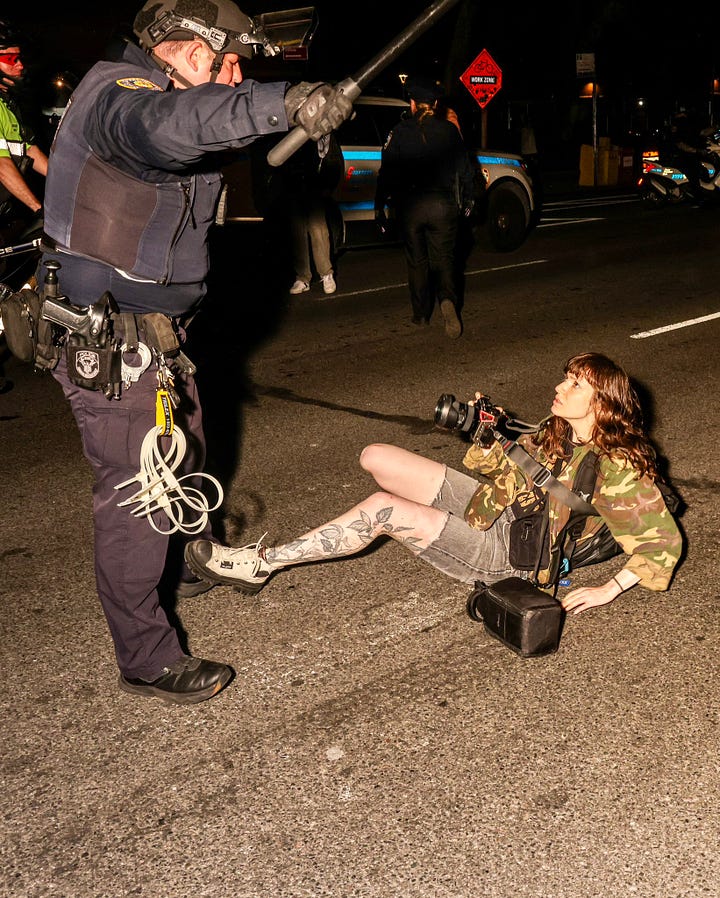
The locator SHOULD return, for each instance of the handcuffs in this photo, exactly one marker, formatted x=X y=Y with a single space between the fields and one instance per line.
x=132 y=373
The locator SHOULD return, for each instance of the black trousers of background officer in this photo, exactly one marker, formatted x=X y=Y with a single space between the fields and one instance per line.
x=429 y=224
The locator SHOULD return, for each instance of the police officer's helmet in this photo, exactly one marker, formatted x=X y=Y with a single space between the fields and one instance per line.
x=223 y=27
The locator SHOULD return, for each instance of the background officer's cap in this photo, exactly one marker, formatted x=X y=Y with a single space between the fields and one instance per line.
x=423 y=89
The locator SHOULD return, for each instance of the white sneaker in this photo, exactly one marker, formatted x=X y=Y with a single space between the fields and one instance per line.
x=299 y=287
x=328 y=282
x=244 y=568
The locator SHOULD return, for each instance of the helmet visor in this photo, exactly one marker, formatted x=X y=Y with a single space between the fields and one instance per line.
x=269 y=33
x=288 y=28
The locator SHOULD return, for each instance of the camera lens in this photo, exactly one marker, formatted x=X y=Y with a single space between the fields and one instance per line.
x=446 y=411
x=451 y=414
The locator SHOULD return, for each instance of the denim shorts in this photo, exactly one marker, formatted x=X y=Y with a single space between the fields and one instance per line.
x=461 y=551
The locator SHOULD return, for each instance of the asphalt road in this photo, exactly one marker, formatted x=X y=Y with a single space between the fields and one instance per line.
x=375 y=742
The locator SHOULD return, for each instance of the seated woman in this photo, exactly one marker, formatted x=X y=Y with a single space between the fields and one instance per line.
x=461 y=526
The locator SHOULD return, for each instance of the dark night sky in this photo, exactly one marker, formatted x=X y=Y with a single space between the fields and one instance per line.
x=532 y=40
x=637 y=53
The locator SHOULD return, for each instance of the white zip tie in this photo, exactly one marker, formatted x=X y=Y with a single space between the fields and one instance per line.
x=162 y=491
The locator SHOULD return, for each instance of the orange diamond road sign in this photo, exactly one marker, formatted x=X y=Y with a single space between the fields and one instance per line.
x=483 y=78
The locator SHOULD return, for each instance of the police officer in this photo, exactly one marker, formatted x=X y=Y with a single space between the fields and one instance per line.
x=132 y=190
x=425 y=174
x=20 y=157
x=19 y=154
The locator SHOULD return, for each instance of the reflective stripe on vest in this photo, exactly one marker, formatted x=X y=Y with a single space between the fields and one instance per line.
x=14 y=147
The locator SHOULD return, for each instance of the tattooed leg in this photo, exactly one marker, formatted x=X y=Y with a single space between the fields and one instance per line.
x=412 y=525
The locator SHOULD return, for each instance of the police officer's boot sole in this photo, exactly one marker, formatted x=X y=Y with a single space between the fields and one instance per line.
x=453 y=327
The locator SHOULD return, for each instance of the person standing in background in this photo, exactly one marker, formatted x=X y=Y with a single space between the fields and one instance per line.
x=308 y=179
x=20 y=206
x=425 y=173
x=21 y=160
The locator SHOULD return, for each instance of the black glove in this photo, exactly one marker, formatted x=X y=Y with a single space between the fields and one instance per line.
x=318 y=108
x=381 y=220
x=33 y=225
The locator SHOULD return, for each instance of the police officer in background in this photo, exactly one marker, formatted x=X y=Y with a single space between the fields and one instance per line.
x=425 y=173
x=20 y=207
x=21 y=160
x=132 y=190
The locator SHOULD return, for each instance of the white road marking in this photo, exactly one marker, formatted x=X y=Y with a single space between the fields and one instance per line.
x=586 y=202
x=507 y=267
x=476 y=271
x=674 y=327
x=556 y=222
x=583 y=203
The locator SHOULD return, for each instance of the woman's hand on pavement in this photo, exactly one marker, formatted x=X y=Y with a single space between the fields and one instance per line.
x=589 y=597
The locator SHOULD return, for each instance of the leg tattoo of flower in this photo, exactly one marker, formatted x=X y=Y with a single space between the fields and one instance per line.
x=336 y=540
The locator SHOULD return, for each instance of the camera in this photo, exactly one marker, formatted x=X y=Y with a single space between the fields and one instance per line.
x=481 y=417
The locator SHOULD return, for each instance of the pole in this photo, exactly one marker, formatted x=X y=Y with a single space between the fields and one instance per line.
x=596 y=160
x=20 y=247
x=352 y=87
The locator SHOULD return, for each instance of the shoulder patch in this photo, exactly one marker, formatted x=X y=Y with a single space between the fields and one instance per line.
x=137 y=84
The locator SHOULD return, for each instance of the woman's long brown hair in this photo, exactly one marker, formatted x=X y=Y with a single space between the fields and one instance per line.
x=618 y=429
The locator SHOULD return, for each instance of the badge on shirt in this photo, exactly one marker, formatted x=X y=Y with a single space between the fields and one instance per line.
x=137 y=84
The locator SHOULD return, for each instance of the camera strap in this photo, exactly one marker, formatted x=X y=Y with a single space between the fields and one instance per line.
x=544 y=477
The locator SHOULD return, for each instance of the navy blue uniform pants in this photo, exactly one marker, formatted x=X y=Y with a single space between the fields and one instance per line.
x=130 y=555
x=429 y=228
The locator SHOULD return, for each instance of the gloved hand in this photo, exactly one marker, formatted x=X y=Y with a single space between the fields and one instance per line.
x=33 y=225
x=381 y=220
x=318 y=108
x=468 y=209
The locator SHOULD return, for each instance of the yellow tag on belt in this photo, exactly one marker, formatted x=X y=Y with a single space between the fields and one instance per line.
x=163 y=413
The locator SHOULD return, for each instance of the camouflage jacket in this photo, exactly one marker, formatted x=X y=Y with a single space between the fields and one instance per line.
x=631 y=506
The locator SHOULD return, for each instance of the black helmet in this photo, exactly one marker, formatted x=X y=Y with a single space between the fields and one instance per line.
x=223 y=27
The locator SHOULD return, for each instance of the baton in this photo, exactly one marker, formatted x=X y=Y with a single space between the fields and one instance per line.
x=20 y=247
x=352 y=87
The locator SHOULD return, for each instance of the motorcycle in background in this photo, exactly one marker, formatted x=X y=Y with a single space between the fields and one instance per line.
x=664 y=179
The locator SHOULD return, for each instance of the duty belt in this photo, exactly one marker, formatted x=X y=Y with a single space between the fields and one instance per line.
x=99 y=337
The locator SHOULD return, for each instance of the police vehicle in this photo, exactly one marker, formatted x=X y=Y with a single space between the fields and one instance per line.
x=506 y=207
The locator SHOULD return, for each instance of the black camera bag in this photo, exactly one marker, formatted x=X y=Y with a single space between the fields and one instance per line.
x=523 y=617
x=527 y=533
